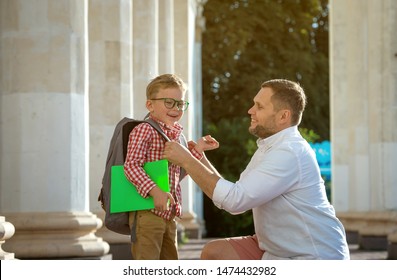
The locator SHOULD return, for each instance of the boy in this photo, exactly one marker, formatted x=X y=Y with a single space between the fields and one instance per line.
x=156 y=229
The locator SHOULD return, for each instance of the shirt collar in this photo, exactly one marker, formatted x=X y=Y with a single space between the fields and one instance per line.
x=275 y=138
x=173 y=131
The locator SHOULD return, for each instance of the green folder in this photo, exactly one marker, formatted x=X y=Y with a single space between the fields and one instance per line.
x=124 y=196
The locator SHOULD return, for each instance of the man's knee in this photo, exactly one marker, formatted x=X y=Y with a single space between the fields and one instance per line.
x=210 y=250
x=218 y=250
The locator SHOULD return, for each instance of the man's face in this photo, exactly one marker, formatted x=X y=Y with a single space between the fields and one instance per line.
x=263 y=115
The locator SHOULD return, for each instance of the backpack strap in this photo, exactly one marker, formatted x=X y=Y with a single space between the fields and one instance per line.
x=182 y=138
x=156 y=126
x=133 y=228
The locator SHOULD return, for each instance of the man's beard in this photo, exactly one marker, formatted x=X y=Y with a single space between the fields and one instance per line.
x=261 y=131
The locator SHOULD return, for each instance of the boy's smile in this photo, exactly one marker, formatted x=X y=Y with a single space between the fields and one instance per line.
x=158 y=109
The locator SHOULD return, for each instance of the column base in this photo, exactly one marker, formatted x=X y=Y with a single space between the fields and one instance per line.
x=392 y=251
x=56 y=235
x=192 y=228
x=374 y=229
x=7 y=230
x=99 y=258
x=392 y=246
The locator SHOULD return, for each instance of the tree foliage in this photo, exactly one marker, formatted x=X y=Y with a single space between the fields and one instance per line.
x=247 y=42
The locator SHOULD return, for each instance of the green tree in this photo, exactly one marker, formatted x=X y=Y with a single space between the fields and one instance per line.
x=245 y=43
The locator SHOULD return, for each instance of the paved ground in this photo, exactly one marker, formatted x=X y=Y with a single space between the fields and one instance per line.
x=192 y=249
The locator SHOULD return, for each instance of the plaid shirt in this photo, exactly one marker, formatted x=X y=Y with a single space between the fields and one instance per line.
x=145 y=144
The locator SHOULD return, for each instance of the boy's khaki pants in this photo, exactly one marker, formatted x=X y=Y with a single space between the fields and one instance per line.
x=156 y=238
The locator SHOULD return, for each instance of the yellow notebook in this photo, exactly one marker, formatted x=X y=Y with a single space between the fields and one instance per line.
x=124 y=196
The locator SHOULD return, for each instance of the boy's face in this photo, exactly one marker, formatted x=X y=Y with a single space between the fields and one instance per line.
x=158 y=109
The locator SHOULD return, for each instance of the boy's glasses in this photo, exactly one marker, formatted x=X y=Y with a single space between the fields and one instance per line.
x=170 y=103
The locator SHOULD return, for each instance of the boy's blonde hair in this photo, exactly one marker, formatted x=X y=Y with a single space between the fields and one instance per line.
x=162 y=82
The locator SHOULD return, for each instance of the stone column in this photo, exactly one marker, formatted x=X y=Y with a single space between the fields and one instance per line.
x=44 y=130
x=185 y=13
x=363 y=117
x=198 y=200
x=145 y=51
x=110 y=91
x=166 y=37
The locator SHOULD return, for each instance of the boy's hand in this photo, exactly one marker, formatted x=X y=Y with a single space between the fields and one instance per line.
x=206 y=143
x=160 y=199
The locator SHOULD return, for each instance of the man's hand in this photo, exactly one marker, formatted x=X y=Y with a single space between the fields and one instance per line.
x=176 y=153
x=203 y=173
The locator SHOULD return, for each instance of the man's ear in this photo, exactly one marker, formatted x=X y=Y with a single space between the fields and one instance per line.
x=285 y=116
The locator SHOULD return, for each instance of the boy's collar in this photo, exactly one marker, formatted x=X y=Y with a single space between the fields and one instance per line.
x=162 y=124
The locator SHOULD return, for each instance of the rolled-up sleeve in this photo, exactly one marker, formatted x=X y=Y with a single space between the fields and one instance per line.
x=261 y=182
x=221 y=191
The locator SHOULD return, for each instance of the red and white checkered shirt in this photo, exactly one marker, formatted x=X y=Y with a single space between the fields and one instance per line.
x=145 y=144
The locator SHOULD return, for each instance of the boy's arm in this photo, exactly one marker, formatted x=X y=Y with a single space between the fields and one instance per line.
x=205 y=143
x=138 y=144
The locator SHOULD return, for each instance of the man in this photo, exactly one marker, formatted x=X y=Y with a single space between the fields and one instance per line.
x=282 y=185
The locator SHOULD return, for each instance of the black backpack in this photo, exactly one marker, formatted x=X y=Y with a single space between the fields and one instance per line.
x=118 y=222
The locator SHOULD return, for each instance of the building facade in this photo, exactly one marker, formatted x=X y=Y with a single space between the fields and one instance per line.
x=70 y=69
